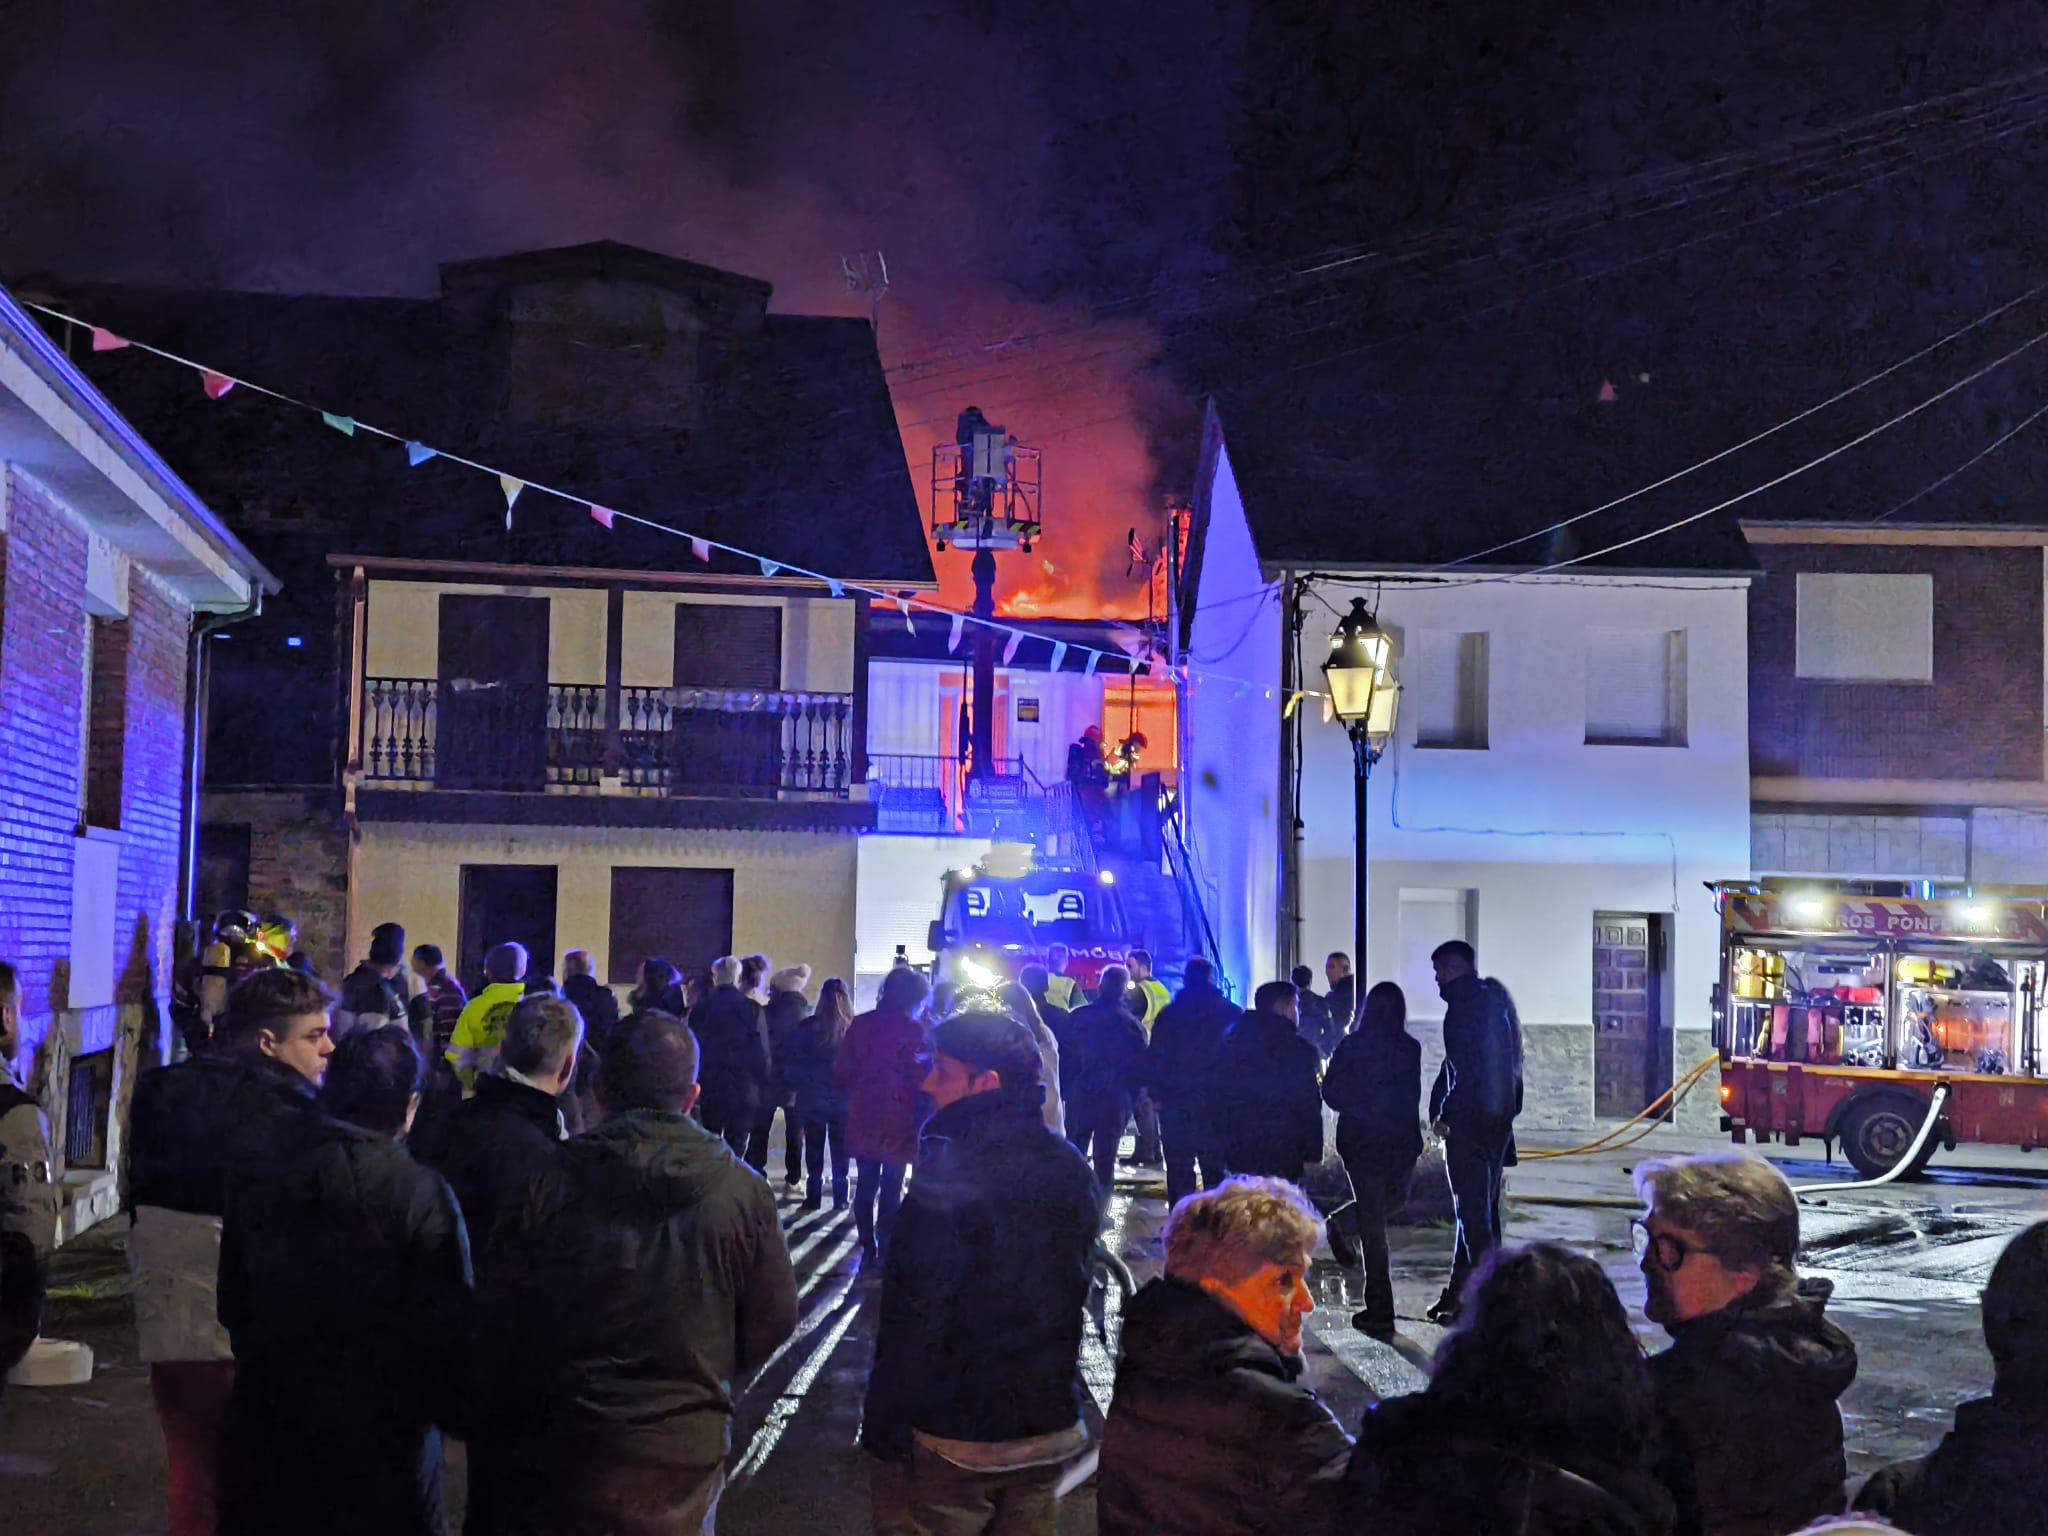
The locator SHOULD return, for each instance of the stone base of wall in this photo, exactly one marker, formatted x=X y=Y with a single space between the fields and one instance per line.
x=1557 y=1077
x=298 y=863
x=51 y=1042
x=1700 y=1113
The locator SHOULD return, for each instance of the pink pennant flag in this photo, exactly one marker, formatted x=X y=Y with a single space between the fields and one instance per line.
x=1010 y=650
x=602 y=515
x=104 y=340
x=701 y=548
x=215 y=384
x=1607 y=394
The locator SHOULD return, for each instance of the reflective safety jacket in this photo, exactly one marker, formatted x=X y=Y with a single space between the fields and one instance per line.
x=481 y=1030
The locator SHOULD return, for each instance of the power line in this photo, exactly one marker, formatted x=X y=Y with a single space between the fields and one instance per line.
x=1971 y=462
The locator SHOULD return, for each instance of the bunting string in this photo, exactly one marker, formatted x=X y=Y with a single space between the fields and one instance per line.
x=216 y=383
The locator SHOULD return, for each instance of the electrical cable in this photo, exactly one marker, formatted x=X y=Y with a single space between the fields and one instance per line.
x=1971 y=462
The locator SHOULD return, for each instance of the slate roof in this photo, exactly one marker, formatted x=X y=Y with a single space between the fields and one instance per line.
x=794 y=448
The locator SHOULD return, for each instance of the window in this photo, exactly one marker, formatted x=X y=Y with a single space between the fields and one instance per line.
x=1447 y=685
x=1866 y=629
x=684 y=916
x=1429 y=918
x=1635 y=687
x=728 y=645
x=106 y=720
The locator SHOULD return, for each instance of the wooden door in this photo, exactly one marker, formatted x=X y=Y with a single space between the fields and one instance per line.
x=728 y=647
x=1627 y=985
x=492 y=708
x=507 y=904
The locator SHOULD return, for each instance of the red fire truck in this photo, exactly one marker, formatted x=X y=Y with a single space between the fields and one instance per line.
x=1838 y=1014
x=1007 y=911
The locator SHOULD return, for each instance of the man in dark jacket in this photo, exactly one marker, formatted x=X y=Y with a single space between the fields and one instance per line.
x=1746 y=1395
x=1316 y=1024
x=782 y=1016
x=374 y=993
x=1375 y=1085
x=192 y=1129
x=1100 y=1057
x=506 y=1141
x=1342 y=998
x=1988 y=1473
x=976 y=1375
x=598 y=1004
x=1211 y=1432
x=345 y=1285
x=1264 y=1099
x=1185 y=1042
x=629 y=1304
x=1477 y=1094
x=732 y=1032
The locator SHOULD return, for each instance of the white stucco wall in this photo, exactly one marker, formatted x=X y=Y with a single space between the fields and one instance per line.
x=1232 y=776
x=912 y=706
x=1541 y=828
x=403 y=627
x=899 y=883
x=793 y=892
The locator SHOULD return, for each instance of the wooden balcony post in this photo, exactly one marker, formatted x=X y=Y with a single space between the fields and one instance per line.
x=614 y=673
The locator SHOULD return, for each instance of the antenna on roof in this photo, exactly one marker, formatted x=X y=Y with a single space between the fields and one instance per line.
x=867 y=273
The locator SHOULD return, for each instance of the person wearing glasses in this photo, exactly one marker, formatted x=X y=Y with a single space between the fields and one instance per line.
x=1746 y=1395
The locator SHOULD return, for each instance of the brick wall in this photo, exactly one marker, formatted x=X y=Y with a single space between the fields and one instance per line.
x=298 y=863
x=107 y=722
x=1981 y=717
x=152 y=788
x=42 y=724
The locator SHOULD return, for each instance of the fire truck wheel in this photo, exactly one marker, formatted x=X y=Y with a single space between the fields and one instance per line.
x=1877 y=1131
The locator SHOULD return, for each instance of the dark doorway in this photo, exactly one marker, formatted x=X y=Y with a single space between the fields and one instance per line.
x=507 y=904
x=683 y=916
x=1631 y=1060
x=720 y=748
x=491 y=725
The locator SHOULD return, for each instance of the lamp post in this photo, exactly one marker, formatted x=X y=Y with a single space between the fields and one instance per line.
x=1365 y=696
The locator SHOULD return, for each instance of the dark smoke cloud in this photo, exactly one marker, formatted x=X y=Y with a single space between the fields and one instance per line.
x=1017 y=164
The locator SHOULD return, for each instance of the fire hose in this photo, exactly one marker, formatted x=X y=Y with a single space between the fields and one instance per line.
x=1897 y=1169
x=1666 y=1102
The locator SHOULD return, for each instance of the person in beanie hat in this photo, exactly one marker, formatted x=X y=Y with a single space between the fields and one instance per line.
x=1988 y=1474
x=973 y=1403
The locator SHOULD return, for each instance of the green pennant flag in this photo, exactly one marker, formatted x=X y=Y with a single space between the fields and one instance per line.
x=345 y=425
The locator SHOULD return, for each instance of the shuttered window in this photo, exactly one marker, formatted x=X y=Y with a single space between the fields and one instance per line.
x=1446 y=685
x=728 y=645
x=684 y=916
x=1866 y=629
x=1635 y=687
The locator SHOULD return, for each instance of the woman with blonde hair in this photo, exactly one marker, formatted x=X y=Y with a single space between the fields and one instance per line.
x=818 y=1107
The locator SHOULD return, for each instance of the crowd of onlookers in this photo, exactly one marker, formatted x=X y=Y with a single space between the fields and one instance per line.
x=366 y=1217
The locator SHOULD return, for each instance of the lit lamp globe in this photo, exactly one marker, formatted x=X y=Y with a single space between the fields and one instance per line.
x=1363 y=693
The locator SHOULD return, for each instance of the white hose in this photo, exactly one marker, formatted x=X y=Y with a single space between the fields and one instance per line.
x=1898 y=1168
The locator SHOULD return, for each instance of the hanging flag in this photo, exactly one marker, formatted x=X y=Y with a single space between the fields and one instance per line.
x=769 y=567
x=511 y=486
x=345 y=425
x=106 y=341
x=959 y=628
x=1059 y=655
x=1094 y=658
x=1293 y=703
x=1607 y=395
x=835 y=586
x=215 y=384
x=602 y=515
x=1242 y=690
x=1153 y=665
x=903 y=603
x=417 y=454
x=1329 y=709
x=701 y=548
x=1010 y=650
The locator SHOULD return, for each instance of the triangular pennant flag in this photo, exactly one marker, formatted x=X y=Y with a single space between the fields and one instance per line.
x=1329 y=709
x=1607 y=395
x=1293 y=703
x=511 y=486
x=1094 y=657
x=835 y=586
x=215 y=384
x=769 y=567
x=1152 y=667
x=417 y=454
x=959 y=628
x=701 y=548
x=1059 y=655
x=903 y=603
x=106 y=341
x=1242 y=690
x=1010 y=650
x=602 y=515
x=345 y=425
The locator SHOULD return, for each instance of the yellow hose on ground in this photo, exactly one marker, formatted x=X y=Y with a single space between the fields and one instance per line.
x=1611 y=1142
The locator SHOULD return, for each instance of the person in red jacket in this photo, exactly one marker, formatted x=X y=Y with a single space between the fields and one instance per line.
x=878 y=1069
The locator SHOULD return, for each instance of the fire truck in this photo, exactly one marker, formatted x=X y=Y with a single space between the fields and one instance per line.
x=1838 y=1015
x=1007 y=911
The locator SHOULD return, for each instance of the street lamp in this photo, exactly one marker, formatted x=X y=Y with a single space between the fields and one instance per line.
x=1364 y=695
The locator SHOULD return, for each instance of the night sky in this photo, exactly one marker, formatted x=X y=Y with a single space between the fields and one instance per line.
x=1131 y=191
